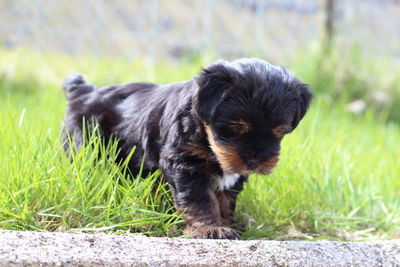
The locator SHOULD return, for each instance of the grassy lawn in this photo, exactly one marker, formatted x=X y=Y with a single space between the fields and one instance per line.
x=338 y=177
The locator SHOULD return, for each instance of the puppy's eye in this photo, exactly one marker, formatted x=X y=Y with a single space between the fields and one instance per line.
x=281 y=130
x=226 y=133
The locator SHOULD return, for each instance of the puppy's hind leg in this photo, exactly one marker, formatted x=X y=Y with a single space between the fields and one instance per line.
x=75 y=85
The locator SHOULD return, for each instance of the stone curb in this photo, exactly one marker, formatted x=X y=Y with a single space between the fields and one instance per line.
x=66 y=249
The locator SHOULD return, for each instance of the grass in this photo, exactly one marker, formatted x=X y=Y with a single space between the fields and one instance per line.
x=337 y=177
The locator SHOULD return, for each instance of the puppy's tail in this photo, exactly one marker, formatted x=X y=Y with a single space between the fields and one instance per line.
x=75 y=85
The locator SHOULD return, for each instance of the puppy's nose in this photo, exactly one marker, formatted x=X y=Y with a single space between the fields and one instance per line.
x=252 y=164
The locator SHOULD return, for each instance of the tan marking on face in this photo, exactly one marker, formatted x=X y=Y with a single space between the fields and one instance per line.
x=267 y=166
x=281 y=130
x=231 y=162
x=240 y=126
x=227 y=156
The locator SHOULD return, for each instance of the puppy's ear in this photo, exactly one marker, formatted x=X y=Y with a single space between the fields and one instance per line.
x=303 y=101
x=213 y=84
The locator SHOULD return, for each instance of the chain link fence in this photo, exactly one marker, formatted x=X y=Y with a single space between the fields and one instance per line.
x=177 y=28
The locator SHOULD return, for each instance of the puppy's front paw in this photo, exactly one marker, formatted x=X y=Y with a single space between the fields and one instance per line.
x=212 y=232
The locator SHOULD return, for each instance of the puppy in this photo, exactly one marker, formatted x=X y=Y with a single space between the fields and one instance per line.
x=206 y=134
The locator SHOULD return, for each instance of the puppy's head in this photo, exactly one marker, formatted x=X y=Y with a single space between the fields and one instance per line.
x=248 y=106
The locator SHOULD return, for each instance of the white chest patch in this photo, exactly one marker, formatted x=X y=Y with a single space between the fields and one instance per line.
x=227 y=181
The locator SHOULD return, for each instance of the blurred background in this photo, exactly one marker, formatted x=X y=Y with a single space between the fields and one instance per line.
x=275 y=29
x=338 y=46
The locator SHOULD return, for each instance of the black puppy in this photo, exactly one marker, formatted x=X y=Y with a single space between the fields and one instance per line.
x=206 y=134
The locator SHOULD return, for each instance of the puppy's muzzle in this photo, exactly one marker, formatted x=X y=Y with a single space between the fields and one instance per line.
x=252 y=164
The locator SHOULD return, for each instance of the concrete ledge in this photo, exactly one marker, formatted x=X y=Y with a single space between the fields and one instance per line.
x=64 y=249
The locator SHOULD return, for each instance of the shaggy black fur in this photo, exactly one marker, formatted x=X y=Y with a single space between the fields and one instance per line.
x=206 y=134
